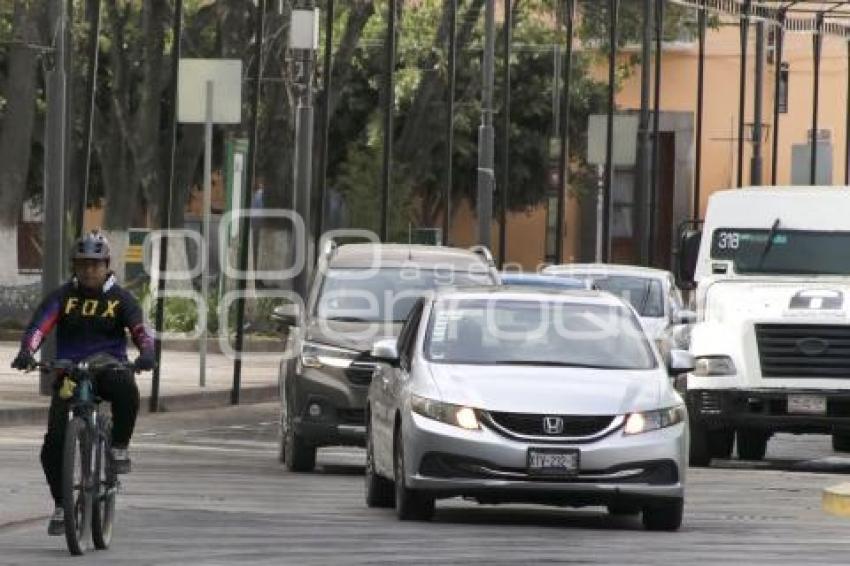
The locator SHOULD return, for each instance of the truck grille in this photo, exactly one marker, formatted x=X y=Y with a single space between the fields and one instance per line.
x=360 y=372
x=527 y=424
x=804 y=350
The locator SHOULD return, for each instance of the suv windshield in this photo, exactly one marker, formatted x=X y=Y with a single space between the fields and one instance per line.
x=791 y=251
x=643 y=293
x=386 y=294
x=536 y=332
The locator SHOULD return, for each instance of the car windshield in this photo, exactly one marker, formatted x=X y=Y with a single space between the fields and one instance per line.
x=536 y=332
x=790 y=251
x=643 y=293
x=386 y=294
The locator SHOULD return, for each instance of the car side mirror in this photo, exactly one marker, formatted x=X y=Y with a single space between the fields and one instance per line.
x=285 y=315
x=386 y=350
x=684 y=316
x=681 y=361
x=686 y=258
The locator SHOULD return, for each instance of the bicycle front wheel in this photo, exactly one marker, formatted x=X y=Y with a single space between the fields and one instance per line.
x=104 y=489
x=76 y=486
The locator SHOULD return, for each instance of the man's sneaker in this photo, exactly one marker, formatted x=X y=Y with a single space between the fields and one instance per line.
x=121 y=460
x=56 y=526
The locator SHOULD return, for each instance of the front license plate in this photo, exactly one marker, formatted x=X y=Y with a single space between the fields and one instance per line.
x=553 y=461
x=807 y=404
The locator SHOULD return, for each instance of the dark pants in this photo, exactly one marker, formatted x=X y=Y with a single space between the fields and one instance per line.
x=119 y=388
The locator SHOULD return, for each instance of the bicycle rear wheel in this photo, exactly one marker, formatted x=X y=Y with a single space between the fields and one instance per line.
x=76 y=486
x=105 y=488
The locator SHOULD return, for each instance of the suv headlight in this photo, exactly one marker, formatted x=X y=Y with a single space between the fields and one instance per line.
x=315 y=355
x=455 y=415
x=637 y=423
x=714 y=365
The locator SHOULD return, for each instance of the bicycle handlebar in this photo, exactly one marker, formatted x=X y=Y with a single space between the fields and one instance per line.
x=67 y=365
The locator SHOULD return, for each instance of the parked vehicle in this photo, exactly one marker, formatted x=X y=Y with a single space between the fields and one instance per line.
x=509 y=395
x=772 y=343
x=652 y=292
x=361 y=292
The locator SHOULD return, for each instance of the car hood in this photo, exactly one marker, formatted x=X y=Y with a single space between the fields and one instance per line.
x=352 y=335
x=574 y=391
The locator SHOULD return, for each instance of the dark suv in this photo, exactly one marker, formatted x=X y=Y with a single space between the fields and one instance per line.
x=360 y=293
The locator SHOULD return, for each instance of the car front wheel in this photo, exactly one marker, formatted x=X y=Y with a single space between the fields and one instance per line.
x=664 y=516
x=410 y=505
x=379 y=491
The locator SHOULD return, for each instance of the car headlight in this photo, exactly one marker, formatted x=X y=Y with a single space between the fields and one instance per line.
x=637 y=423
x=714 y=365
x=315 y=355
x=455 y=415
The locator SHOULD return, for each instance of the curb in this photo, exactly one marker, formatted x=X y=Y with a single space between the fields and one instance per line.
x=171 y=403
x=836 y=500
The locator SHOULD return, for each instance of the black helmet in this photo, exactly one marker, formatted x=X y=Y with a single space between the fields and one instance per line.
x=93 y=245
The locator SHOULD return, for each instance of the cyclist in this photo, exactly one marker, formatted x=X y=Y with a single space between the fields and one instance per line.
x=90 y=313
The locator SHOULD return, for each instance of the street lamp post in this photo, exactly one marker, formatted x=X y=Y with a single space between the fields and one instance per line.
x=486 y=177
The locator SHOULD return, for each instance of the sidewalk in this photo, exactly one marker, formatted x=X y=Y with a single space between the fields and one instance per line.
x=179 y=389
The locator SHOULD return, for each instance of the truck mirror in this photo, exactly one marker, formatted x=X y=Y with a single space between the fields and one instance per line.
x=686 y=260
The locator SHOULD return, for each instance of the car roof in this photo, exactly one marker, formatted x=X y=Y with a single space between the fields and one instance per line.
x=524 y=293
x=537 y=279
x=605 y=269
x=395 y=255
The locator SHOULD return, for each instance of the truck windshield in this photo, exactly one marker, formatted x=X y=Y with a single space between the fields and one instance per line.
x=805 y=252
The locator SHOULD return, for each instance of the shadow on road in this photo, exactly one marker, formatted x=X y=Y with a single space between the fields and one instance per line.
x=542 y=517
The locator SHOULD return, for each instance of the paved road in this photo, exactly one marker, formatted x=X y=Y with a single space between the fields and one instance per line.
x=207 y=489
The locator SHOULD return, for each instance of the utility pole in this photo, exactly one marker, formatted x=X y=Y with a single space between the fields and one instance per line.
x=756 y=160
x=305 y=20
x=486 y=177
x=55 y=168
x=644 y=153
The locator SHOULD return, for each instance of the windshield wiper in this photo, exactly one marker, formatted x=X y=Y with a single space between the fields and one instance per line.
x=347 y=319
x=547 y=364
x=769 y=243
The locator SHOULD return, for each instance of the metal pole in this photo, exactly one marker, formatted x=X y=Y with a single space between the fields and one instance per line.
x=94 y=36
x=389 y=107
x=506 y=137
x=303 y=158
x=205 y=276
x=450 y=120
x=486 y=178
x=644 y=152
x=817 y=41
x=566 y=104
x=241 y=282
x=326 y=118
x=54 y=171
x=742 y=102
x=656 y=130
x=613 y=13
x=780 y=43
x=847 y=126
x=758 y=87
x=165 y=211
x=700 y=107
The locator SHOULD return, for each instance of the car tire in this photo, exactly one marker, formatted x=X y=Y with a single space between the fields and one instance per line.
x=410 y=504
x=623 y=509
x=841 y=442
x=281 y=455
x=699 y=455
x=666 y=516
x=298 y=454
x=752 y=444
x=380 y=492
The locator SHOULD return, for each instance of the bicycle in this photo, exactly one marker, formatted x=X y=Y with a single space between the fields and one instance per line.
x=89 y=480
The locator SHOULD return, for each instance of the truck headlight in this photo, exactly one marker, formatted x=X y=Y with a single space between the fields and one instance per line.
x=316 y=355
x=455 y=415
x=637 y=423
x=714 y=365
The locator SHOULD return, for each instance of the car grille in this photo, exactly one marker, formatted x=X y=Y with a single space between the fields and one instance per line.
x=352 y=416
x=530 y=424
x=804 y=350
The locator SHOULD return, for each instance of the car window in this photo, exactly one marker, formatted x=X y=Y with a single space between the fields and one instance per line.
x=386 y=294
x=643 y=293
x=537 y=332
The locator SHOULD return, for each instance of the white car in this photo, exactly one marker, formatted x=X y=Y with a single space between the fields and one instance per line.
x=511 y=395
x=652 y=292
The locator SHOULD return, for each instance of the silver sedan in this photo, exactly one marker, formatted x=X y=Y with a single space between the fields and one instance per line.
x=507 y=395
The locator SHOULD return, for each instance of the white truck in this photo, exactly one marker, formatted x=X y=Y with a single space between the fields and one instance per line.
x=772 y=337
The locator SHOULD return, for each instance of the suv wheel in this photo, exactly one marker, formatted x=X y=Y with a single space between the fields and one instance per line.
x=752 y=444
x=841 y=442
x=299 y=455
x=663 y=516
